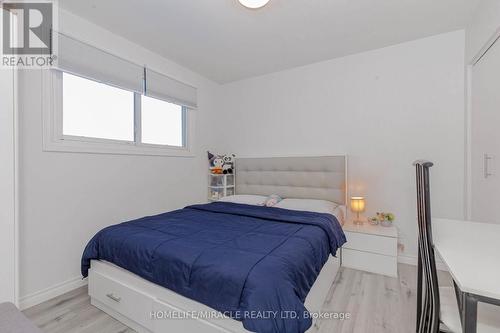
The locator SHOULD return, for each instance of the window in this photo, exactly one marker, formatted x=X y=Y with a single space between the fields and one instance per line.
x=162 y=122
x=97 y=102
x=96 y=112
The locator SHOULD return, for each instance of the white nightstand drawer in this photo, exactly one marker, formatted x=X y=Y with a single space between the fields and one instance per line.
x=372 y=243
x=370 y=262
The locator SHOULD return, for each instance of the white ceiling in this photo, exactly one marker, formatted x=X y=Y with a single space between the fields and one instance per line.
x=224 y=41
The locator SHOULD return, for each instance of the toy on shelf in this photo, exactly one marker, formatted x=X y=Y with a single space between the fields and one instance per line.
x=228 y=166
x=221 y=177
x=221 y=164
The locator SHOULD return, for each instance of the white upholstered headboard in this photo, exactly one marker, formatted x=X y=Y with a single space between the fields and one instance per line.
x=322 y=177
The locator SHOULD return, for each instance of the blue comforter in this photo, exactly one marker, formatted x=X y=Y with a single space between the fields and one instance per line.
x=234 y=258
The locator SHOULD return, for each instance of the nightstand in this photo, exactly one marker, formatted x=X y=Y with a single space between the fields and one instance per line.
x=371 y=248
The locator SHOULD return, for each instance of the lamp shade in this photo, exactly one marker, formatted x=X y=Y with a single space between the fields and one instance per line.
x=253 y=4
x=358 y=204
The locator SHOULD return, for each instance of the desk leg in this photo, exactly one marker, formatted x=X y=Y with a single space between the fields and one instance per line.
x=460 y=301
x=469 y=313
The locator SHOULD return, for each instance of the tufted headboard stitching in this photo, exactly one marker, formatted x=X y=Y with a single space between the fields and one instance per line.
x=322 y=177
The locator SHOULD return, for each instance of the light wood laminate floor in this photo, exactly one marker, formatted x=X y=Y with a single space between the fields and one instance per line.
x=373 y=302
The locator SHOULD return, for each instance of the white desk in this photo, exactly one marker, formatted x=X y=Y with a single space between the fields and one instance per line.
x=471 y=251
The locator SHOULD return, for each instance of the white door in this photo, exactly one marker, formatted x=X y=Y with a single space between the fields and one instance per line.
x=8 y=241
x=485 y=137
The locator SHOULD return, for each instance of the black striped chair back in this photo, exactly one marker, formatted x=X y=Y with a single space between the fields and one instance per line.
x=427 y=282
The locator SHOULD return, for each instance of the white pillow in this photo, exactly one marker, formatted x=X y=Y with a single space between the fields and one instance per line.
x=310 y=205
x=248 y=199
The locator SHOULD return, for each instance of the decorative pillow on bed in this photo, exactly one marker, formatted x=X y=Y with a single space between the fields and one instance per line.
x=311 y=205
x=272 y=200
x=257 y=200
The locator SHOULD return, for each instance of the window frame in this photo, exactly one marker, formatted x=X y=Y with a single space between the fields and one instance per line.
x=54 y=140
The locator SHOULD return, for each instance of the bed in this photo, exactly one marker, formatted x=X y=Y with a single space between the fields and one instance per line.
x=228 y=267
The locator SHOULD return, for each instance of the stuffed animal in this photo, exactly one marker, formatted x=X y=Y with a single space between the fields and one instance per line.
x=218 y=165
x=215 y=163
x=272 y=200
x=228 y=166
x=221 y=164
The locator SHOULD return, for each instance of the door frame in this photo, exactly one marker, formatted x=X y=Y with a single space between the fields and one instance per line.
x=495 y=38
x=17 y=238
x=13 y=176
x=11 y=193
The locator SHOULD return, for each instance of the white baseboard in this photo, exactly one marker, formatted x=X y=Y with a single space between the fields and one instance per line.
x=411 y=260
x=41 y=296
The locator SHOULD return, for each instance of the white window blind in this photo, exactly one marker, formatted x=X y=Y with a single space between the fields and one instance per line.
x=78 y=58
x=165 y=88
x=82 y=59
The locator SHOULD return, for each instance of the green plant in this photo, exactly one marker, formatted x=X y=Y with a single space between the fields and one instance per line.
x=385 y=217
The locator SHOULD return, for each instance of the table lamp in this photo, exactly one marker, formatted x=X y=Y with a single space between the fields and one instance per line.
x=357 y=206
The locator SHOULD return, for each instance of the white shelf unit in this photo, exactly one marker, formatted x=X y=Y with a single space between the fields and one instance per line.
x=220 y=186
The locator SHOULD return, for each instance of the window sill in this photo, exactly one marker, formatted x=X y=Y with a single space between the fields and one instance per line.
x=80 y=146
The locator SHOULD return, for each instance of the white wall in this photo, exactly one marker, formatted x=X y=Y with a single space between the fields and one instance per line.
x=8 y=241
x=67 y=197
x=384 y=108
x=483 y=25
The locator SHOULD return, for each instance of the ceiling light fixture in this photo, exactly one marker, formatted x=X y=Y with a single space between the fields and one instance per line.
x=254 y=4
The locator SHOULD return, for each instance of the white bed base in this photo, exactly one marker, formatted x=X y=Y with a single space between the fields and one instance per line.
x=135 y=301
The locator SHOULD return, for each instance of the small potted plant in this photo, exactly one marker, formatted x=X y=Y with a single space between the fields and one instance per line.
x=386 y=219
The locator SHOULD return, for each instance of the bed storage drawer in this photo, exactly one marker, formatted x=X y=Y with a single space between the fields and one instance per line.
x=124 y=300
x=171 y=318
